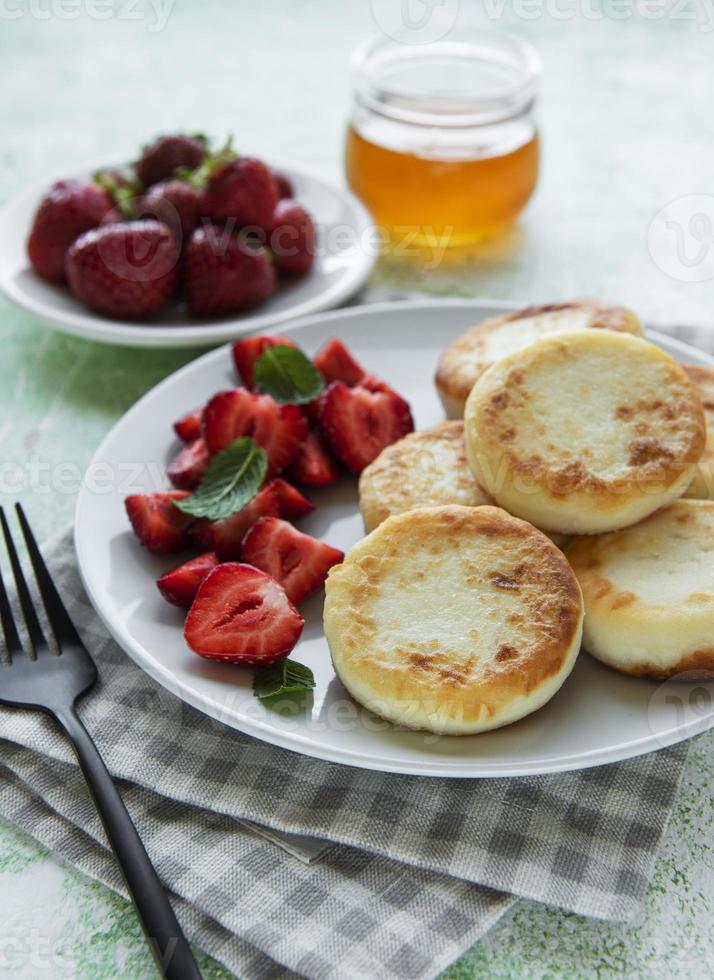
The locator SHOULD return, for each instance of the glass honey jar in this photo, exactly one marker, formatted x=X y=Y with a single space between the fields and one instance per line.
x=442 y=144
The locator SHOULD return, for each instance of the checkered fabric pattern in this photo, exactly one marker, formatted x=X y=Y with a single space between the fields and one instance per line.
x=380 y=875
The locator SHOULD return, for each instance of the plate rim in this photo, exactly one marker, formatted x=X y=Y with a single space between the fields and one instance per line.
x=89 y=326
x=294 y=741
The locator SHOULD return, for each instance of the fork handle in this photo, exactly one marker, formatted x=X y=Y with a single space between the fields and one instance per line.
x=168 y=944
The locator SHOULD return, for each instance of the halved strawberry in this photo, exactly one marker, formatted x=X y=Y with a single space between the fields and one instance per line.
x=225 y=536
x=336 y=363
x=359 y=422
x=279 y=429
x=247 y=351
x=158 y=524
x=242 y=615
x=188 y=428
x=188 y=466
x=372 y=383
x=314 y=466
x=291 y=502
x=299 y=562
x=180 y=585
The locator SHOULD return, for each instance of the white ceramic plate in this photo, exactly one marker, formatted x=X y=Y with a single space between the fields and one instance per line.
x=345 y=258
x=598 y=716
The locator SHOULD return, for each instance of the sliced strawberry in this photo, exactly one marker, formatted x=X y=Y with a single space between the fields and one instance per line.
x=243 y=616
x=225 y=536
x=291 y=502
x=358 y=423
x=158 y=524
x=336 y=363
x=186 y=469
x=247 y=351
x=279 y=429
x=314 y=466
x=180 y=585
x=188 y=428
x=372 y=383
x=299 y=562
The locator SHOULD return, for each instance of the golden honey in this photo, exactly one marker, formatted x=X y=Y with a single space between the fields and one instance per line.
x=462 y=201
x=442 y=144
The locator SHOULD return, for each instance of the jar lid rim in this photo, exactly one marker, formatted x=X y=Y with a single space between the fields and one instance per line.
x=380 y=65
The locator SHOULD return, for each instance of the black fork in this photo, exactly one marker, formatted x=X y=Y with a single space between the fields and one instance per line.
x=53 y=684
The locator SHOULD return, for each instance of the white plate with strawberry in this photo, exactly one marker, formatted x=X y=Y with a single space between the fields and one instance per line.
x=287 y=531
x=186 y=246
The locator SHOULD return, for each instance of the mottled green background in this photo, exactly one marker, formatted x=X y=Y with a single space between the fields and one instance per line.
x=627 y=127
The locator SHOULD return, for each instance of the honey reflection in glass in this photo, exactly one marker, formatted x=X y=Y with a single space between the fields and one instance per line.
x=464 y=200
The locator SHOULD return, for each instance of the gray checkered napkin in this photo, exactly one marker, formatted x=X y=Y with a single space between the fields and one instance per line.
x=280 y=864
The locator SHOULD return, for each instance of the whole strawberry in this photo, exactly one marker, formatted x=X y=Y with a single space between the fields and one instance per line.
x=242 y=191
x=284 y=185
x=162 y=158
x=70 y=208
x=292 y=238
x=124 y=270
x=174 y=202
x=223 y=274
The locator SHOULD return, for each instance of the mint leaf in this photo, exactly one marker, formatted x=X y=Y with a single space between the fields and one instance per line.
x=232 y=479
x=283 y=677
x=288 y=375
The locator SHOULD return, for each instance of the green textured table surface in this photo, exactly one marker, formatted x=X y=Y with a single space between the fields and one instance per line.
x=627 y=128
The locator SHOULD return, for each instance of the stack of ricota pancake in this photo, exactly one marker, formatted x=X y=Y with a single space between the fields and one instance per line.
x=566 y=499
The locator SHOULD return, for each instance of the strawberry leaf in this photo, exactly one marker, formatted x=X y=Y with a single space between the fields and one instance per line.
x=288 y=375
x=283 y=677
x=232 y=479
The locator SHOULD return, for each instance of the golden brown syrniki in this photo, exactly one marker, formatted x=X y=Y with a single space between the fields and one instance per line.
x=466 y=359
x=702 y=486
x=649 y=593
x=584 y=432
x=453 y=619
x=424 y=469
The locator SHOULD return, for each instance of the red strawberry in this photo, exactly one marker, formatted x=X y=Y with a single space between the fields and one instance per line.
x=225 y=536
x=299 y=562
x=284 y=186
x=279 y=429
x=115 y=216
x=180 y=585
x=124 y=270
x=314 y=466
x=162 y=158
x=158 y=524
x=176 y=203
x=69 y=208
x=247 y=351
x=243 y=616
x=335 y=363
x=188 y=428
x=358 y=423
x=292 y=238
x=187 y=468
x=223 y=274
x=242 y=190
x=291 y=503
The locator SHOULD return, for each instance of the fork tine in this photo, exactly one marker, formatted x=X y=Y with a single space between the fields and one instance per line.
x=12 y=638
x=62 y=626
x=34 y=630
